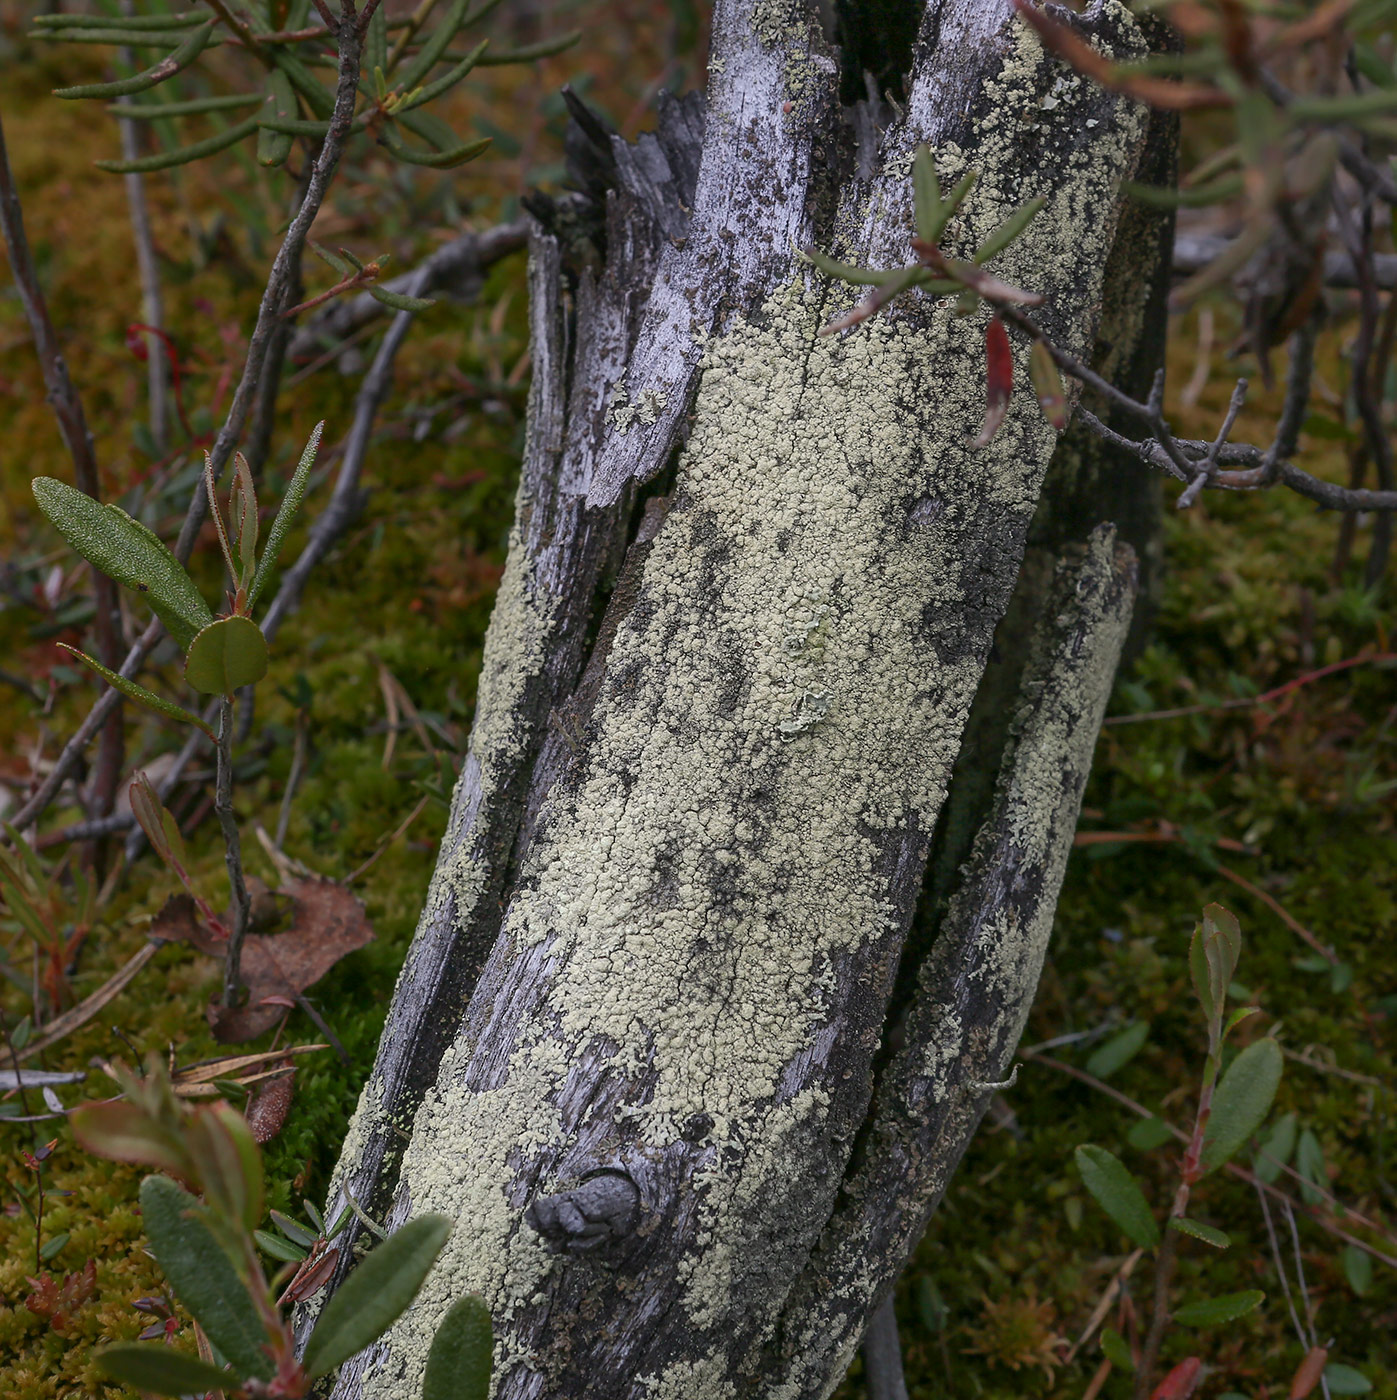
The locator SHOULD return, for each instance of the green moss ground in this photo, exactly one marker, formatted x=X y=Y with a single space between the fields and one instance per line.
x=1018 y=1254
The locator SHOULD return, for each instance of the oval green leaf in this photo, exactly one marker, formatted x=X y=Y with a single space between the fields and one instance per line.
x=278 y=1248
x=229 y=653
x=1149 y=1133
x=157 y=73
x=1241 y=1102
x=1209 y=1234
x=1116 y=1350
x=372 y=1298
x=1213 y=1312
x=1344 y=1380
x=140 y=694
x=1118 y=1051
x=158 y=1369
x=1116 y=1192
x=128 y=552
x=203 y=1277
x=458 y=1365
x=1358 y=1269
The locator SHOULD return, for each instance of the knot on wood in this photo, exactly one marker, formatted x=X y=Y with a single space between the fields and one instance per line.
x=605 y=1207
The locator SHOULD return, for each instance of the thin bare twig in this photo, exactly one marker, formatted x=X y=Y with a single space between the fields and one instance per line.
x=148 y=267
x=1248 y=702
x=281 y=279
x=346 y=503
x=238 y=903
x=1180 y=457
x=882 y=1355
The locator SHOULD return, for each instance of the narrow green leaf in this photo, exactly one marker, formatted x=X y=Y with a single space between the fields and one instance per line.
x=458 y=1365
x=1009 y=230
x=297 y=126
x=54 y=1246
x=161 y=1370
x=278 y=1248
x=1236 y=1017
x=1348 y=107
x=1275 y=1149
x=186 y=20
x=1115 y=1053
x=228 y=1163
x=141 y=695
x=292 y=1229
x=1344 y=1380
x=1209 y=1234
x=526 y=53
x=226 y=655
x=273 y=147
x=436 y=160
x=1116 y=1350
x=1222 y=944
x=313 y=1214
x=1241 y=1102
x=1372 y=65
x=157 y=73
x=1213 y=1312
x=1309 y=1162
x=1196 y=197
x=949 y=205
x=202 y=1276
x=181 y=155
x=376 y=41
x=1116 y=1192
x=848 y=272
x=399 y=302
x=375 y=1293
x=242 y=508
x=107 y=35
x=128 y=552
x=295 y=492
x=416 y=72
x=195 y=107
x=926 y=194
x=337 y=262
x=446 y=82
x=1358 y=1269
x=320 y=100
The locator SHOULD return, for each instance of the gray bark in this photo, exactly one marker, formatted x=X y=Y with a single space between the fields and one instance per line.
x=651 y=1048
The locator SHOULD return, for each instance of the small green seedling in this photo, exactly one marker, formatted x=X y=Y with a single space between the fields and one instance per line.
x=936 y=273
x=221 y=653
x=207 y=1250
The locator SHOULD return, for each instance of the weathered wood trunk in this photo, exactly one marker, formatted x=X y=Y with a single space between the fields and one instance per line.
x=662 y=1045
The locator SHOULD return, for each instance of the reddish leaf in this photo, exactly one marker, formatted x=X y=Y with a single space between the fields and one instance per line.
x=269 y=1105
x=126 y=1132
x=1308 y=1374
x=999 y=379
x=1181 y=1382
x=313 y=1274
x=56 y=1303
